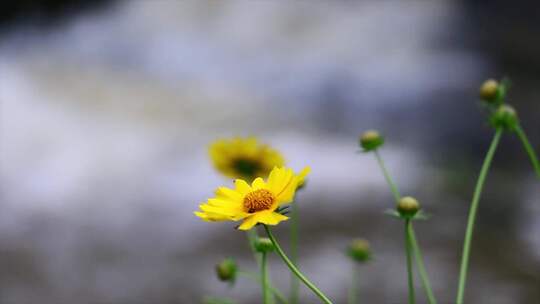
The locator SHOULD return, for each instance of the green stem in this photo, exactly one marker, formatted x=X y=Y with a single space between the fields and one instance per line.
x=416 y=249
x=387 y=176
x=528 y=147
x=408 y=250
x=472 y=215
x=295 y=270
x=272 y=289
x=264 y=278
x=422 y=268
x=353 y=289
x=252 y=239
x=295 y=283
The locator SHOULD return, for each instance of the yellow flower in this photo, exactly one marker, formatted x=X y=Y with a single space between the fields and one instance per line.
x=256 y=203
x=244 y=158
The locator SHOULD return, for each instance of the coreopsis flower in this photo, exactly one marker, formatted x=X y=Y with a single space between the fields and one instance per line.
x=255 y=203
x=244 y=158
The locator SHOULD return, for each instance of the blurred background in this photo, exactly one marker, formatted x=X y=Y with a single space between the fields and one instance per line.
x=108 y=107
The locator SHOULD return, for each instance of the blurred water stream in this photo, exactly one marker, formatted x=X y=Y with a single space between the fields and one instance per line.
x=106 y=118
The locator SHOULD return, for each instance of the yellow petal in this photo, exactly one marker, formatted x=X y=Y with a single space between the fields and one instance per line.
x=258 y=183
x=211 y=217
x=278 y=179
x=285 y=191
x=248 y=223
x=242 y=187
x=218 y=210
x=230 y=194
x=219 y=213
x=302 y=175
x=270 y=218
x=201 y=215
x=273 y=178
x=286 y=195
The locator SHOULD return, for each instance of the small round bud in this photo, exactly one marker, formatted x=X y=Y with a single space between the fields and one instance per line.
x=264 y=245
x=504 y=117
x=408 y=206
x=226 y=270
x=489 y=91
x=359 y=250
x=371 y=140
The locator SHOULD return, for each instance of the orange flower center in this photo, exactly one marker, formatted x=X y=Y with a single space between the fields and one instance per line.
x=258 y=200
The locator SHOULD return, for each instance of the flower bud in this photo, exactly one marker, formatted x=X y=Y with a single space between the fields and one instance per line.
x=359 y=250
x=408 y=207
x=226 y=270
x=371 y=140
x=489 y=91
x=263 y=245
x=504 y=117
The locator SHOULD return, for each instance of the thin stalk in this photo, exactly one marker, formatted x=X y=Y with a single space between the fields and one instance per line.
x=408 y=250
x=421 y=267
x=416 y=249
x=472 y=215
x=295 y=283
x=251 y=276
x=528 y=147
x=353 y=289
x=264 y=279
x=295 y=270
x=387 y=176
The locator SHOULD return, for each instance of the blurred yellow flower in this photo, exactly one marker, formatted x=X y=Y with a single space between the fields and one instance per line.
x=256 y=203
x=244 y=158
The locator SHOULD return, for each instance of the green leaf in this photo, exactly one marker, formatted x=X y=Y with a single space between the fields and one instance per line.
x=393 y=213
x=421 y=215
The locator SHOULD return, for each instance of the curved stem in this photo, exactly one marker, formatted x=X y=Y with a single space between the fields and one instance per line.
x=421 y=267
x=387 y=176
x=295 y=283
x=528 y=147
x=295 y=270
x=472 y=215
x=272 y=289
x=408 y=250
x=353 y=289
